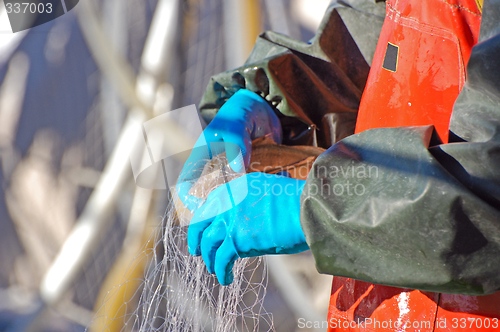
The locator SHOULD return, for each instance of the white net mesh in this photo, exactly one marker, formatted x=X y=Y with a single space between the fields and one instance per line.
x=178 y=294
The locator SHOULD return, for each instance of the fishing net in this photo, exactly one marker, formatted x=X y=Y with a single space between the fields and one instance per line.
x=176 y=292
x=180 y=295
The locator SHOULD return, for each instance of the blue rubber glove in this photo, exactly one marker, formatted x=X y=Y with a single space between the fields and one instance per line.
x=267 y=221
x=244 y=117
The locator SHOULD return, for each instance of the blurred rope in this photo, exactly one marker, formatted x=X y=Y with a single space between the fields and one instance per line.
x=112 y=64
x=139 y=96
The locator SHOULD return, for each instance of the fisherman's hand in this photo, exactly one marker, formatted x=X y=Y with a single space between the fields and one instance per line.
x=253 y=215
x=244 y=117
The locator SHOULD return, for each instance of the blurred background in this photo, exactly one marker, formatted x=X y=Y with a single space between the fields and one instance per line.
x=71 y=216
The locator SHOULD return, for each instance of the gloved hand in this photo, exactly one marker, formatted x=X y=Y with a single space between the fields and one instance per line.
x=243 y=118
x=267 y=221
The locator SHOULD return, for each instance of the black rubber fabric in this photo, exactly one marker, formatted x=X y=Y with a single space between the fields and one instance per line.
x=422 y=217
x=315 y=87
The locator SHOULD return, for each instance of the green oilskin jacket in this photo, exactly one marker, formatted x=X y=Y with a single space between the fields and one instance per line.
x=416 y=216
